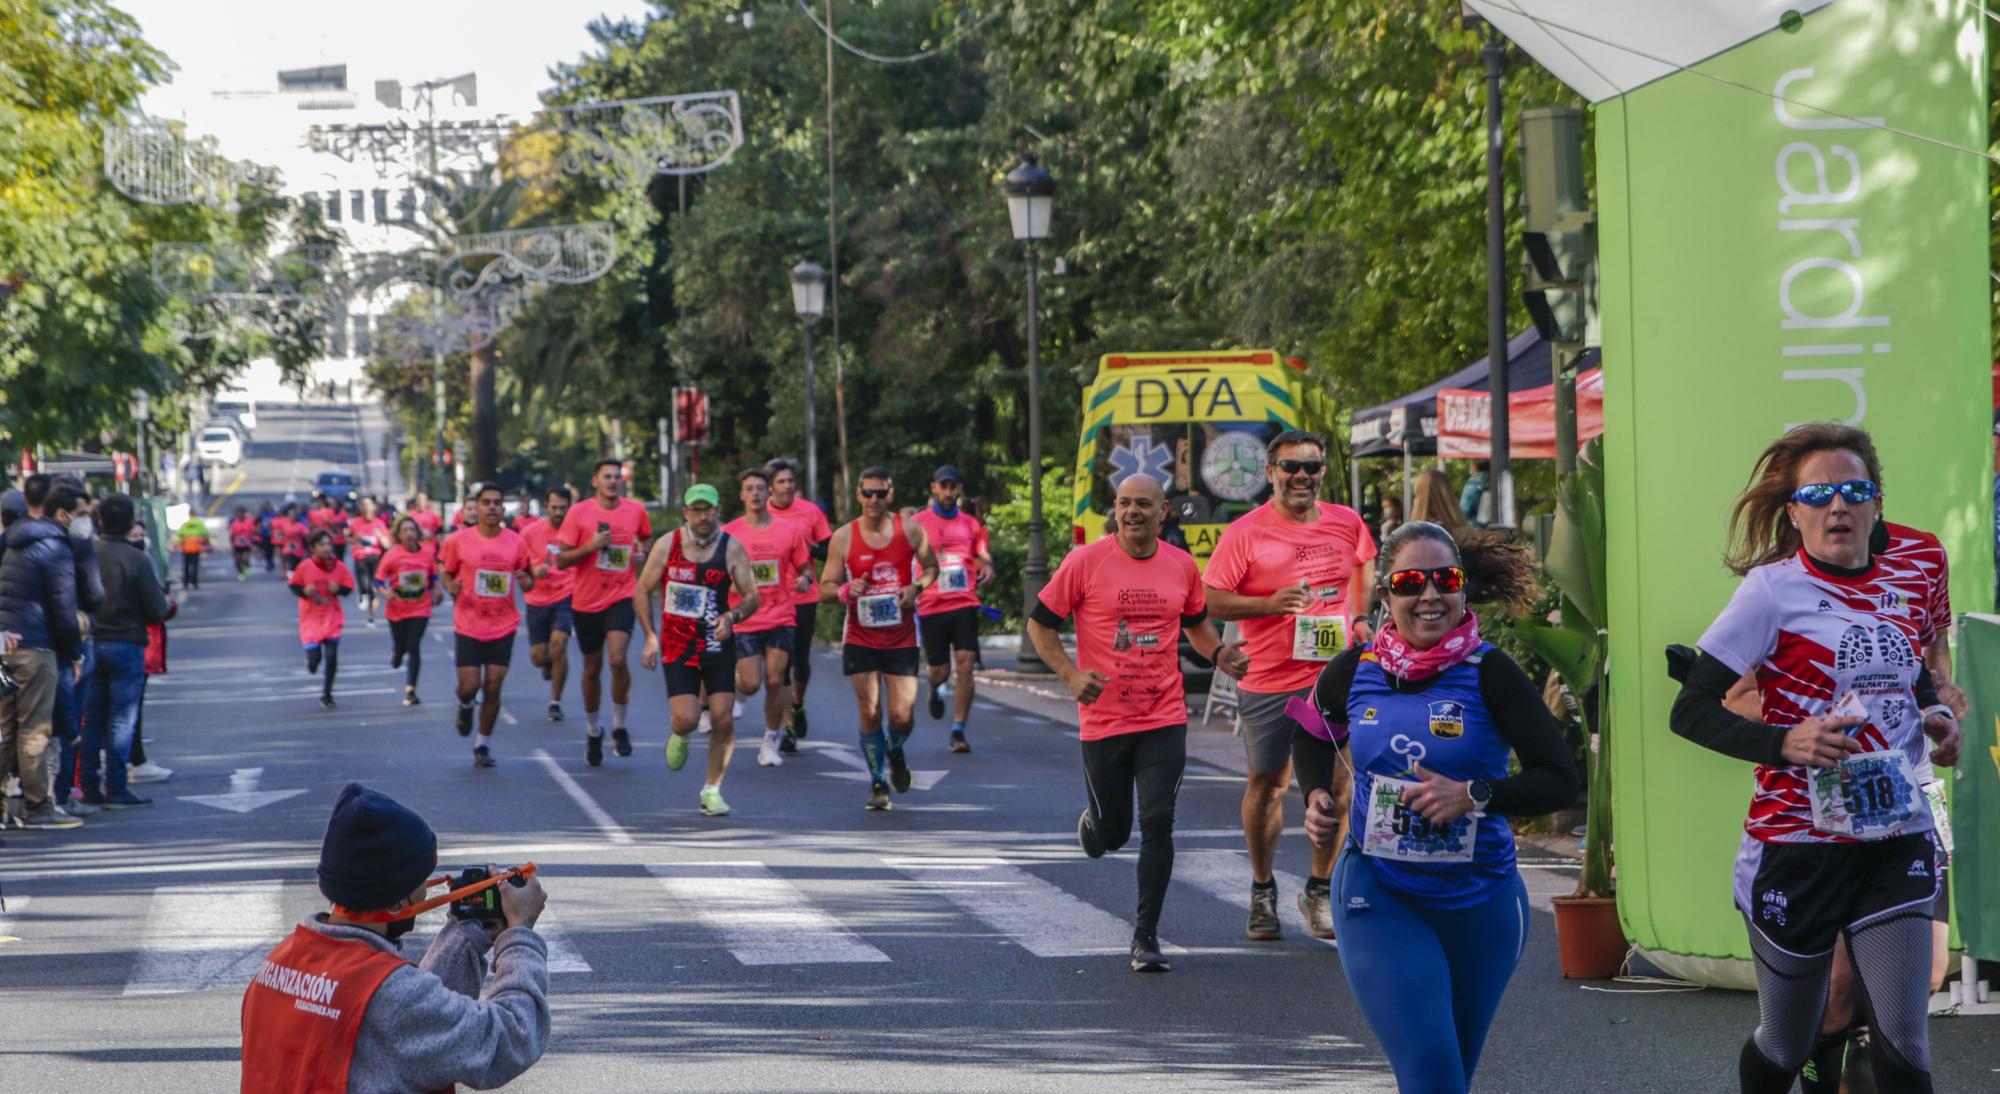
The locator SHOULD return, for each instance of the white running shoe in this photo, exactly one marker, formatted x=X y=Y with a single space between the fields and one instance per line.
x=148 y=772
x=739 y=710
x=703 y=725
x=767 y=756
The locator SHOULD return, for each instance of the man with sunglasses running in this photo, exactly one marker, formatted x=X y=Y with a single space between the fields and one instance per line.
x=601 y=537
x=1296 y=574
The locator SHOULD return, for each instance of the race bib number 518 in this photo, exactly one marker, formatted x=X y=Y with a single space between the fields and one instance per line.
x=1869 y=796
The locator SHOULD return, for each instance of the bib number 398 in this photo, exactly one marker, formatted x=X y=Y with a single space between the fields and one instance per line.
x=1395 y=831
x=1869 y=796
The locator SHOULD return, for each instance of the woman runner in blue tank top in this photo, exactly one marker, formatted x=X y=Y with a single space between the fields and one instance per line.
x=1429 y=908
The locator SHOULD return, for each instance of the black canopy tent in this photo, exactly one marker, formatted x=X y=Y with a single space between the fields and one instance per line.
x=1407 y=426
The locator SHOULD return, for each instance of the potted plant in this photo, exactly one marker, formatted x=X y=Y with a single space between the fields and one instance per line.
x=1588 y=935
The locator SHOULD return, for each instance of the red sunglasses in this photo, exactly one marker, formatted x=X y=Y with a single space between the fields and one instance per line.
x=1449 y=579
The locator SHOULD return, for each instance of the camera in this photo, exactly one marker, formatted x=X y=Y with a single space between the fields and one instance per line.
x=484 y=904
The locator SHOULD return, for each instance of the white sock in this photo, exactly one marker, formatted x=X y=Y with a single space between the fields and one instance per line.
x=772 y=737
x=590 y=724
x=465 y=704
x=711 y=786
x=618 y=716
x=482 y=740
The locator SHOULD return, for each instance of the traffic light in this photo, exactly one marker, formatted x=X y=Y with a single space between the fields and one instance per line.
x=1561 y=230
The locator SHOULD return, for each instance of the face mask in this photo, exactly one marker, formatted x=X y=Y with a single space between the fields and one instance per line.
x=397 y=928
x=80 y=528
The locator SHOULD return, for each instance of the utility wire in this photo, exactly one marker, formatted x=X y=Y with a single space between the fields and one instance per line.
x=879 y=58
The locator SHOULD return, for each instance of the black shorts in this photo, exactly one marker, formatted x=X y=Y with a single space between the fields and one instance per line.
x=717 y=673
x=592 y=627
x=473 y=653
x=752 y=644
x=1801 y=896
x=855 y=660
x=544 y=619
x=948 y=631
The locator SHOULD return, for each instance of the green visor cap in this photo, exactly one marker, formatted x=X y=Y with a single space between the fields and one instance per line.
x=701 y=492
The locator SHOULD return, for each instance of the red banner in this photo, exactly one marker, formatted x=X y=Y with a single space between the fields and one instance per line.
x=1465 y=420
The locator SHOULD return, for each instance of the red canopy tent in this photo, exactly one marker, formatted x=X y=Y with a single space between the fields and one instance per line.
x=1465 y=429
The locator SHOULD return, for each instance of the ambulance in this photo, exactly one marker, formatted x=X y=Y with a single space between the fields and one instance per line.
x=1198 y=422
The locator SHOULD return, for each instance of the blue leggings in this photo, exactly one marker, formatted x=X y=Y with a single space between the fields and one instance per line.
x=1428 y=980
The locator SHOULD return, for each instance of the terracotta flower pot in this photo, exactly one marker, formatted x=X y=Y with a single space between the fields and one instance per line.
x=1589 y=938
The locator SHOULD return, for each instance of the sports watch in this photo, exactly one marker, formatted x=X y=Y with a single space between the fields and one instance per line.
x=1481 y=792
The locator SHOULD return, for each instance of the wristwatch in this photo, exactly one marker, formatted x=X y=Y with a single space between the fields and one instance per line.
x=1481 y=792
x=1924 y=715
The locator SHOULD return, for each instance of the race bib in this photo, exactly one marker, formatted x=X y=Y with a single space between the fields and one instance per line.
x=687 y=601
x=410 y=582
x=952 y=574
x=1395 y=831
x=879 y=611
x=1869 y=796
x=764 y=572
x=493 y=583
x=1318 y=637
x=615 y=557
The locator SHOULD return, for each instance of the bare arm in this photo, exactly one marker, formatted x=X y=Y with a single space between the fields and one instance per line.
x=1048 y=643
x=834 y=574
x=1228 y=605
x=745 y=579
x=927 y=576
x=649 y=584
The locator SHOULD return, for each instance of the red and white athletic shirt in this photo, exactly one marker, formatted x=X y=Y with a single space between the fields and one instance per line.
x=1813 y=636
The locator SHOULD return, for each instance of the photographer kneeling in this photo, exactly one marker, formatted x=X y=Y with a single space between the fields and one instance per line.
x=336 y=1007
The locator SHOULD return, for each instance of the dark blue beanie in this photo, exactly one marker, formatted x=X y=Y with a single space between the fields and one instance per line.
x=376 y=851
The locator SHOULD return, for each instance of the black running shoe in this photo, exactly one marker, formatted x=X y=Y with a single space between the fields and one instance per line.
x=555 y=712
x=326 y=702
x=1146 y=955
x=464 y=720
x=788 y=744
x=878 y=796
x=621 y=741
x=958 y=741
x=1087 y=838
x=799 y=721
x=410 y=696
x=482 y=757
x=899 y=772
x=936 y=705
x=593 y=750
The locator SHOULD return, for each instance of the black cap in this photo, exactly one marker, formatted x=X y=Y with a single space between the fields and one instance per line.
x=376 y=853
x=947 y=473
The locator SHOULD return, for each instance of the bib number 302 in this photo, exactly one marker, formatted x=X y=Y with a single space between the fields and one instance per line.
x=1395 y=831
x=1869 y=796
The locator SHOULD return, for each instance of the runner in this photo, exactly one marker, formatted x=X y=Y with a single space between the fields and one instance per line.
x=371 y=537
x=1431 y=910
x=319 y=582
x=692 y=569
x=786 y=504
x=296 y=529
x=1839 y=839
x=426 y=517
x=330 y=516
x=1131 y=596
x=872 y=570
x=778 y=560
x=549 y=622
x=948 y=612
x=267 y=538
x=1295 y=573
x=407 y=575
x=600 y=537
x=524 y=514
x=242 y=537
x=193 y=540
x=480 y=567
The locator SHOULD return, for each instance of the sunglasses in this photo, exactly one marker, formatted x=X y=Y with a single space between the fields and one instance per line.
x=1310 y=467
x=1820 y=494
x=1449 y=579
x=876 y=495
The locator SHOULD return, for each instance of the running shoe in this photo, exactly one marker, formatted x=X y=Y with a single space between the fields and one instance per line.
x=799 y=721
x=1146 y=955
x=958 y=741
x=767 y=756
x=788 y=744
x=1316 y=905
x=125 y=799
x=555 y=712
x=677 y=751
x=899 y=771
x=712 y=804
x=1264 y=914
x=1086 y=836
x=83 y=807
x=878 y=796
x=148 y=772
x=50 y=818
x=410 y=696
x=936 y=704
x=464 y=720
x=482 y=756
x=326 y=702
x=621 y=742
x=593 y=750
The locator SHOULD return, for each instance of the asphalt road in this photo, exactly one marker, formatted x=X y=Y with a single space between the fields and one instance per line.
x=960 y=942
x=293 y=443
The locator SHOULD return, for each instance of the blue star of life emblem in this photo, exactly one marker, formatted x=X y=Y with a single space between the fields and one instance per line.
x=1142 y=457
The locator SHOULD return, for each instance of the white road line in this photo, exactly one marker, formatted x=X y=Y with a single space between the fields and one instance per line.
x=10 y=919
x=1041 y=918
x=762 y=918
x=486 y=853
x=305 y=696
x=508 y=718
x=1225 y=875
x=206 y=936
x=563 y=955
x=612 y=830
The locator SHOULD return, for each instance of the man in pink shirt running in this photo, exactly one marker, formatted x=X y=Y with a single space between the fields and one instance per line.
x=481 y=567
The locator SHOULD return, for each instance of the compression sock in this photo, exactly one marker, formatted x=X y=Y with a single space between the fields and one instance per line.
x=872 y=747
x=1757 y=1075
x=618 y=716
x=1821 y=1073
x=897 y=740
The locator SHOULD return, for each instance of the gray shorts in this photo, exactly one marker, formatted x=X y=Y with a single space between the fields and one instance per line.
x=1267 y=729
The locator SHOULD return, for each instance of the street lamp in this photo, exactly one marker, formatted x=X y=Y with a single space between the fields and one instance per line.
x=1031 y=192
x=809 y=301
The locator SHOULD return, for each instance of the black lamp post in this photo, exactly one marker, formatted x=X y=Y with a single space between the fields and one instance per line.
x=809 y=301
x=1031 y=193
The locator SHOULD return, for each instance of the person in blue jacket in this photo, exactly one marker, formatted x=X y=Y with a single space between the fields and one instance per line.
x=1412 y=752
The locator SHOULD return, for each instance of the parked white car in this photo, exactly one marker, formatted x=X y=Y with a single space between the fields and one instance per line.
x=220 y=444
x=237 y=407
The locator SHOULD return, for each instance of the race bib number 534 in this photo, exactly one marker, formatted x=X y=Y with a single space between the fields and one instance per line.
x=1395 y=831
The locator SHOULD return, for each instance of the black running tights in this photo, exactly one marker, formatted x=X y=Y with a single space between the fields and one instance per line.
x=408 y=636
x=1153 y=761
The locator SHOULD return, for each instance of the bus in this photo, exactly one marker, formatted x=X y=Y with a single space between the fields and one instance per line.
x=1196 y=420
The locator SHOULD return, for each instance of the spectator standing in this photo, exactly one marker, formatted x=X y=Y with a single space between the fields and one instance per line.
x=133 y=599
x=73 y=693
x=1474 y=493
x=38 y=602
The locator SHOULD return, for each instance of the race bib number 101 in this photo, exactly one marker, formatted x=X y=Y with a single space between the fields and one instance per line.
x=1869 y=796
x=1318 y=637
x=1395 y=831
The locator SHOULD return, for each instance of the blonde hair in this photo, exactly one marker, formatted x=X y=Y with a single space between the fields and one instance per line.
x=1759 y=531
x=1431 y=499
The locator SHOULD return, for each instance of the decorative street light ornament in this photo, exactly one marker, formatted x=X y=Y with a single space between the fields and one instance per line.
x=462 y=324
x=561 y=254
x=221 y=272
x=155 y=163
x=1031 y=193
x=630 y=139
x=809 y=290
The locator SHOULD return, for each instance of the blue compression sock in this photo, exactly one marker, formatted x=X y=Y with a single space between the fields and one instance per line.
x=872 y=748
x=897 y=740
x=958 y=727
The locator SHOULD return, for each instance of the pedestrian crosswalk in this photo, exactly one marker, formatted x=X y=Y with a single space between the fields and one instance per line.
x=866 y=910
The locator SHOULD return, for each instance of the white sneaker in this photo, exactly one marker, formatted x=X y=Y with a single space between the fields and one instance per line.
x=739 y=710
x=148 y=772
x=767 y=756
x=703 y=726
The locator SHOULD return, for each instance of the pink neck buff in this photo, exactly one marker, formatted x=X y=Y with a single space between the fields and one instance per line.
x=1400 y=659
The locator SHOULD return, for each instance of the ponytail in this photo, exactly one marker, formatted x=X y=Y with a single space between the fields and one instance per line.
x=1497 y=571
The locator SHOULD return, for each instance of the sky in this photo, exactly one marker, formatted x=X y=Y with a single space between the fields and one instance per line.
x=239 y=45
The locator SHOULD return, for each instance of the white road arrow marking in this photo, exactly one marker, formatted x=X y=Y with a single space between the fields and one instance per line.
x=242 y=801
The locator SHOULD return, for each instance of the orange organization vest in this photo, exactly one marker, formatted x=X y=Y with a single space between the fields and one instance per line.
x=302 y=1012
